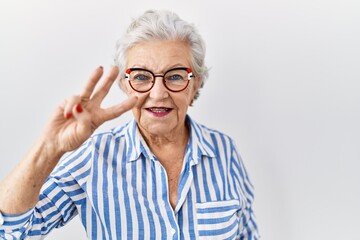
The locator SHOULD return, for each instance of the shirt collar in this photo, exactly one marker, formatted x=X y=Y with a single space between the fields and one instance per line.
x=200 y=142
x=136 y=143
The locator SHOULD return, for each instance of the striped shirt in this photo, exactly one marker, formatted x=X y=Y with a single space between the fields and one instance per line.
x=120 y=191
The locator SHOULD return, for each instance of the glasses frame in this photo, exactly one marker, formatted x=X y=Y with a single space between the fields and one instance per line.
x=188 y=70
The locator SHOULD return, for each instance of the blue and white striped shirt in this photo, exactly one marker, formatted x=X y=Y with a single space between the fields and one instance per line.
x=120 y=191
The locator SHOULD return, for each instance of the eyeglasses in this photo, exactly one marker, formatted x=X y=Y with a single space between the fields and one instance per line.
x=175 y=79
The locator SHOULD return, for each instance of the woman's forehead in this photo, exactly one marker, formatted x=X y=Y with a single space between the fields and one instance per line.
x=159 y=55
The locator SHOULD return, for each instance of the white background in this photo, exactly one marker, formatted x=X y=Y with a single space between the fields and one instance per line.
x=284 y=83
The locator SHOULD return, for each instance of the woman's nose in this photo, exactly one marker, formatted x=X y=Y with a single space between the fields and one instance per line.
x=159 y=91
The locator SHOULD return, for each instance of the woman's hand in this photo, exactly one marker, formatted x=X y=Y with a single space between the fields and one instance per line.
x=72 y=123
x=79 y=116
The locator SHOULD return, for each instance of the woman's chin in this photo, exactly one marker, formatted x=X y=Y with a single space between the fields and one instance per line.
x=158 y=129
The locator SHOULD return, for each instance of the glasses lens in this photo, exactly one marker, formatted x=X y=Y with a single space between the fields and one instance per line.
x=176 y=79
x=141 y=80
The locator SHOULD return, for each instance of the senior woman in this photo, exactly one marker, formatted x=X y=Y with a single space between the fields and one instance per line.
x=160 y=176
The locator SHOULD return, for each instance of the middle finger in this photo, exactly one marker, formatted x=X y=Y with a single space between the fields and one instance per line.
x=105 y=85
x=90 y=85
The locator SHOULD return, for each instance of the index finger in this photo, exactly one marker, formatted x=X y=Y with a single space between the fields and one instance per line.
x=91 y=83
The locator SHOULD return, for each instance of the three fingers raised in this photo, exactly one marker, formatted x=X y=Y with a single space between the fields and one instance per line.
x=95 y=92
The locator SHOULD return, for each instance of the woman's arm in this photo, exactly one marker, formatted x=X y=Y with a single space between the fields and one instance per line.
x=245 y=191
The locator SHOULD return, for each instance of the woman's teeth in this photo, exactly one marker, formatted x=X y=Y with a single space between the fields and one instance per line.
x=159 y=110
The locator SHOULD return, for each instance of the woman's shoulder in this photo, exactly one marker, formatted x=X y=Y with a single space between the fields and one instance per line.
x=205 y=131
x=211 y=141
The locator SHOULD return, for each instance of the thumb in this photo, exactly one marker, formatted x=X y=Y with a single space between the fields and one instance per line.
x=119 y=109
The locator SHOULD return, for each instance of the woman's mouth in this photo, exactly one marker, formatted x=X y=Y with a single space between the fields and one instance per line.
x=159 y=111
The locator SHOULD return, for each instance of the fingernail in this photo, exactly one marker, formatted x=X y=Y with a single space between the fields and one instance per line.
x=79 y=109
x=68 y=116
x=101 y=67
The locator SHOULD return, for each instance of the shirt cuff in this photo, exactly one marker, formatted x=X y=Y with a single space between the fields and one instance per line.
x=9 y=222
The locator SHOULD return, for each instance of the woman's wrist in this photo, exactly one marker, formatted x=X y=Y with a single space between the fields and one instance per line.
x=46 y=153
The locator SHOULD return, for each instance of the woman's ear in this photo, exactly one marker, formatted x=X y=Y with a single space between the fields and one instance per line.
x=198 y=83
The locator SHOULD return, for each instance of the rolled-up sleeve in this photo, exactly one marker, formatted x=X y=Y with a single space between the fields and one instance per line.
x=13 y=225
x=245 y=191
x=250 y=229
x=58 y=201
x=53 y=209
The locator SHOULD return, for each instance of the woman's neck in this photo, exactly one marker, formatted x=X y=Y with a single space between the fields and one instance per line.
x=177 y=138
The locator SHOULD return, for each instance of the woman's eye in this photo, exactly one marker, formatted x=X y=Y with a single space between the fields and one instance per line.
x=141 y=77
x=174 y=77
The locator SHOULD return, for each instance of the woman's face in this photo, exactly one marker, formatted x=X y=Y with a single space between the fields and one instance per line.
x=159 y=111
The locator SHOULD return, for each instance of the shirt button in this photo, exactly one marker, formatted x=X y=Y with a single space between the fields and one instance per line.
x=1 y=219
x=172 y=231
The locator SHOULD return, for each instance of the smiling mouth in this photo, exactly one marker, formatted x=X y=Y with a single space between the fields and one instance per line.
x=159 y=109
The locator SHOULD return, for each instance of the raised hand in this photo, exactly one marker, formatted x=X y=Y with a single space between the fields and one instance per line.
x=80 y=115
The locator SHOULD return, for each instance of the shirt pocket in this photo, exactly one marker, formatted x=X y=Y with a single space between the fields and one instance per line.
x=218 y=220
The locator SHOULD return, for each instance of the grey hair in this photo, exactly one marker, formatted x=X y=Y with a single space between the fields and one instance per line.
x=157 y=25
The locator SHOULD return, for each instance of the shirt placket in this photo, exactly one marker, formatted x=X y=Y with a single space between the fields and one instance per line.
x=173 y=231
